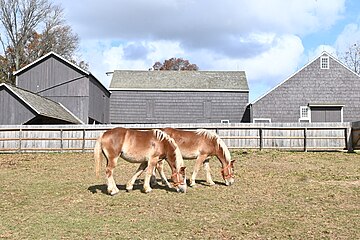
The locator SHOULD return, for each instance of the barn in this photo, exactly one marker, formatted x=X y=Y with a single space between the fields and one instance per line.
x=19 y=107
x=324 y=90
x=58 y=79
x=178 y=97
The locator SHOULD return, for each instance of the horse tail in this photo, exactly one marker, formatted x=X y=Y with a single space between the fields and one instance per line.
x=98 y=155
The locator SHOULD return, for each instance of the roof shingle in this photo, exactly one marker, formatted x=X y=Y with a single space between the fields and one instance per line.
x=182 y=80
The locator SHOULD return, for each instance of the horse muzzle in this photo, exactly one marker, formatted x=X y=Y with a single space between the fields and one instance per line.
x=181 y=188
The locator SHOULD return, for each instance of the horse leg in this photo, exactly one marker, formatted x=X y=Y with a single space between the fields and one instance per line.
x=199 y=160
x=160 y=168
x=208 y=173
x=111 y=185
x=139 y=171
x=149 y=172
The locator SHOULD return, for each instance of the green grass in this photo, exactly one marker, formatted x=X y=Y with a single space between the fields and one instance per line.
x=276 y=195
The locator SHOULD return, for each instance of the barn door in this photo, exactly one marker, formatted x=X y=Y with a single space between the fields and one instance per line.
x=326 y=114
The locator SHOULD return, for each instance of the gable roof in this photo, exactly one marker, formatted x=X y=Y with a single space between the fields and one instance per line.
x=324 y=53
x=48 y=55
x=179 y=80
x=43 y=106
x=53 y=54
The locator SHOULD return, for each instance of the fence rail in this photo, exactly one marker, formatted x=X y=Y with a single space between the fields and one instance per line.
x=291 y=136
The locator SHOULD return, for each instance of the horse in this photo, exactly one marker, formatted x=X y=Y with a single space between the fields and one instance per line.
x=200 y=145
x=137 y=146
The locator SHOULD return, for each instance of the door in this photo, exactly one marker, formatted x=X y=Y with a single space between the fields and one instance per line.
x=326 y=114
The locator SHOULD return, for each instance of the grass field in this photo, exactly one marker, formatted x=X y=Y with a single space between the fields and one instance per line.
x=276 y=195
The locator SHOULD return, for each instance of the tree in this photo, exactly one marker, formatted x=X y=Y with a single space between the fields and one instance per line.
x=351 y=58
x=176 y=64
x=30 y=29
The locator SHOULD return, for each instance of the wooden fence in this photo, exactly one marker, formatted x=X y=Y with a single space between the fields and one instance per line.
x=290 y=136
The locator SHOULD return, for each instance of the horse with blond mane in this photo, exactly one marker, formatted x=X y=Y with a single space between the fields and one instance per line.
x=200 y=145
x=136 y=146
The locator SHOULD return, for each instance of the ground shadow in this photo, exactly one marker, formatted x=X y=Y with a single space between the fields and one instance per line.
x=138 y=186
x=204 y=183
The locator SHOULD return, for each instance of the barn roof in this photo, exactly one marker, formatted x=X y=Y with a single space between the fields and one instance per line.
x=43 y=106
x=62 y=59
x=179 y=80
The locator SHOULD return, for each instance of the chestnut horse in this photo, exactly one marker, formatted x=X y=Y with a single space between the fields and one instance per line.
x=135 y=146
x=201 y=145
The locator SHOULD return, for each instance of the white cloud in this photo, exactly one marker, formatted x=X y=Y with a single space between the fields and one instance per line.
x=261 y=37
x=348 y=37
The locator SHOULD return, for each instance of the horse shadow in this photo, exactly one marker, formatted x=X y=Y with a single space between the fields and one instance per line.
x=204 y=183
x=138 y=186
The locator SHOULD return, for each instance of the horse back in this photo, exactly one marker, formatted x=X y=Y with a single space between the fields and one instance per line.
x=191 y=143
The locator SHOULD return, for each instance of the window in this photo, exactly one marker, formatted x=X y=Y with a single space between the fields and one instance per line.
x=150 y=108
x=262 y=120
x=304 y=114
x=324 y=62
x=225 y=121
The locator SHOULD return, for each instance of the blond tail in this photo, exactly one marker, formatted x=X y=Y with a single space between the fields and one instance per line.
x=98 y=155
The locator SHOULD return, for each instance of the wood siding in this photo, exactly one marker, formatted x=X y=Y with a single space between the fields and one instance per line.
x=60 y=81
x=176 y=106
x=13 y=110
x=99 y=102
x=336 y=85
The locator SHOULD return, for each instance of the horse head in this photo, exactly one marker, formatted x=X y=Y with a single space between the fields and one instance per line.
x=228 y=173
x=175 y=160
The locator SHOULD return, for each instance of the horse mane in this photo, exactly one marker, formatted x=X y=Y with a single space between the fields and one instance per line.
x=161 y=136
x=220 y=143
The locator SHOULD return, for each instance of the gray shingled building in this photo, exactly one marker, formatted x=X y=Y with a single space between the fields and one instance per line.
x=178 y=96
x=324 y=90
x=18 y=106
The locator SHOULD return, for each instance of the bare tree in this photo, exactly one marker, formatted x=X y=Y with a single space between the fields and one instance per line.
x=30 y=29
x=351 y=57
x=176 y=64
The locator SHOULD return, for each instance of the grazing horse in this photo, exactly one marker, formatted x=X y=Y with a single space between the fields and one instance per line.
x=135 y=146
x=201 y=145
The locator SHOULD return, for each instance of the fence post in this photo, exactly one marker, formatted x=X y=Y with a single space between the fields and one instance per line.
x=305 y=140
x=61 y=140
x=20 y=137
x=83 y=141
x=261 y=138
x=348 y=139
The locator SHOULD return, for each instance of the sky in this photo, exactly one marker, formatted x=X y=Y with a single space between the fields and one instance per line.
x=268 y=39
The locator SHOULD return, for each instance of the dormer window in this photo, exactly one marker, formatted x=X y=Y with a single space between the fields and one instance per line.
x=324 y=62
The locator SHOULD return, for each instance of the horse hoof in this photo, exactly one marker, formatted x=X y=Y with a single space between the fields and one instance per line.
x=129 y=189
x=147 y=190
x=112 y=193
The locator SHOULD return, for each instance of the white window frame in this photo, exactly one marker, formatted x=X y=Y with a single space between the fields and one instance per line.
x=225 y=121
x=262 y=120
x=305 y=118
x=324 y=62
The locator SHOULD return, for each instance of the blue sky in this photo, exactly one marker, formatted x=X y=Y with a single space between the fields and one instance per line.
x=268 y=39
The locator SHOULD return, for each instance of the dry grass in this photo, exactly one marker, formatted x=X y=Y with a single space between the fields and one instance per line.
x=277 y=195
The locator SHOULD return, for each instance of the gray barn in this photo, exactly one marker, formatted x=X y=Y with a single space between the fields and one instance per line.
x=324 y=90
x=56 y=78
x=18 y=107
x=178 y=96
